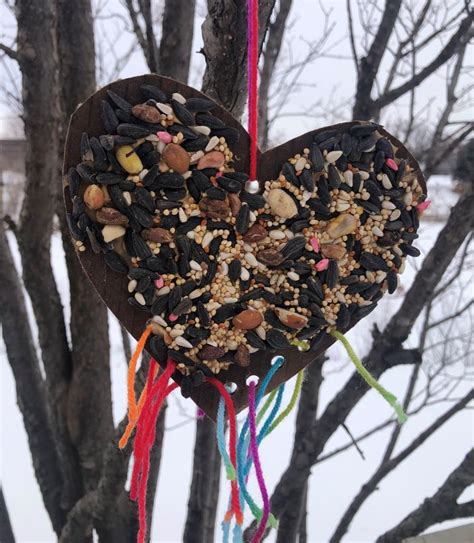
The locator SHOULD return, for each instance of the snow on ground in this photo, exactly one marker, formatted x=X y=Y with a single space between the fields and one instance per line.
x=333 y=483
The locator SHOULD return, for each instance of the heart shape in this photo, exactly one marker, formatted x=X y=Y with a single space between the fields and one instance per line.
x=340 y=244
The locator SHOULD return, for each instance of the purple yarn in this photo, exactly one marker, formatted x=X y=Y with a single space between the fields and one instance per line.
x=258 y=468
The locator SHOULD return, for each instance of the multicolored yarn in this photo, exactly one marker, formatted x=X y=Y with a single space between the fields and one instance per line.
x=145 y=437
x=220 y=427
x=370 y=379
x=252 y=62
x=133 y=408
x=258 y=467
x=291 y=404
x=235 y=499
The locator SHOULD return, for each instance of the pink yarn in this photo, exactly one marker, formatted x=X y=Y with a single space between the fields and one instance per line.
x=258 y=536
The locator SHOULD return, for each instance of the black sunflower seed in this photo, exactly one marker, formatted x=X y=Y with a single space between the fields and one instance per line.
x=182 y=113
x=230 y=185
x=294 y=247
x=318 y=341
x=115 y=262
x=158 y=348
x=343 y=318
x=307 y=180
x=384 y=145
x=86 y=150
x=346 y=143
x=332 y=275
x=235 y=268
x=183 y=307
x=174 y=194
x=109 y=118
x=74 y=180
x=141 y=215
x=151 y=159
x=255 y=341
x=198 y=253
x=357 y=287
x=86 y=172
x=379 y=160
x=319 y=208
x=209 y=120
x=242 y=219
x=372 y=262
x=401 y=170
x=360 y=130
x=323 y=191
x=329 y=144
x=277 y=340
x=108 y=178
x=119 y=101
x=180 y=357
x=215 y=245
x=392 y=282
x=334 y=179
x=153 y=93
x=143 y=283
x=202 y=181
x=200 y=104
x=373 y=188
x=324 y=135
x=231 y=135
x=133 y=131
x=315 y=286
x=197 y=144
x=290 y=175
x=254 y=201
x=371 y=291
x=370 y=207
x=316 y=158
x=366 y=144
x=225 y=312
x=216 y=193
x=409 y=249
x=107 y=142
x=187 y=226
x=203 y=315
x=183 y=266
x=393 y=225
x=174 y=298
x=363 y=311
x=170 y=181
x=252 y=294
x=144 y=198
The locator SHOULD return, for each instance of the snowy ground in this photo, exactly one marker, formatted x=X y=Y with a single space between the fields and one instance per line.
x=333 y=483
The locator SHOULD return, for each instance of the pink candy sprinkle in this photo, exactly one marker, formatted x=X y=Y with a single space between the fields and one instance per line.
x=159 y=282
x=315 y=244
x=322 y=264
x=172 y=317
x=423 y=206
x=391 y=164
x=165 y=137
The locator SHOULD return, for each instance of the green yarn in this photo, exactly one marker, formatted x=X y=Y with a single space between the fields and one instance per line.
x=302 y=345
x=291 y=404
x=369 y=379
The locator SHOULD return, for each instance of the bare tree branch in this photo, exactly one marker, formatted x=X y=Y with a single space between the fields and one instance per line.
x=31 y=394
x=457 y=40
x=350 y=22
x=147 y=43
x=369 y=65
x=439 y=507
x=389 y=464
x=6 y=530
x=270 y=56
x=224 y=33
x=11 y=53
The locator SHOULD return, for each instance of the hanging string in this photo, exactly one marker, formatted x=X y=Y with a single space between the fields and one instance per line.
x=369 y=379
x=258 y=468
x=132 y=367
x=252 y=67
x=291 y=404
x=145 y=437
x=235 y=499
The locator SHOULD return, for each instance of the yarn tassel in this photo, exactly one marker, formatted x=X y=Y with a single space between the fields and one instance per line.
x=252 y=62
x=370 y=379
x=258 y=468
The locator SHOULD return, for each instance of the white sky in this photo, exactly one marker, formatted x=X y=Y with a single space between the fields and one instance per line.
x=334 y=483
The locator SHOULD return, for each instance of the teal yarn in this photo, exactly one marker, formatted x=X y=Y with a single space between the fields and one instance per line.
x=220 y=436
x=243 y=446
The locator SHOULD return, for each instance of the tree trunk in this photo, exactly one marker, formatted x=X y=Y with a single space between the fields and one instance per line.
x=38 y=61
x=202 y=500
x=177 y=39
x=6 y=531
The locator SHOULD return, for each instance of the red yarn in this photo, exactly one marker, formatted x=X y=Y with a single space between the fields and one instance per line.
x=235 y=500
x=145 y=436
x=252 y=54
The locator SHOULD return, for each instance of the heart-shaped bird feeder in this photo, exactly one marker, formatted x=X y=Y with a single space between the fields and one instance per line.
x=169 y=228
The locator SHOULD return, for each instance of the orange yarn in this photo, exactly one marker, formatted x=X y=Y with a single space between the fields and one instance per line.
x=133 y=408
